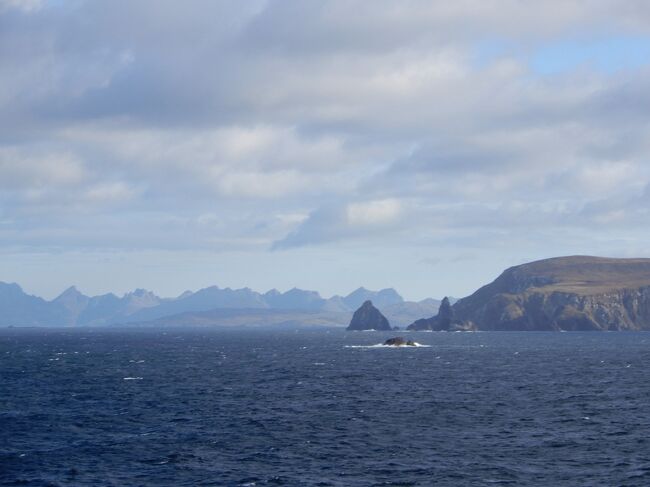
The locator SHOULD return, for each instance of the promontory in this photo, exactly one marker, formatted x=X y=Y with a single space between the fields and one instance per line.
x=563 y=293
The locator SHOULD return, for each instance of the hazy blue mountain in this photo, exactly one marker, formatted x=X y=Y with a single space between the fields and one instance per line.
x=253 y=318
x=336 y=304
x=73 y=304
x=109 y=308
x=20 y=309
x=185 y=294
x=332 y=312
x=433 y=302
x=139 y=299
x=385 y=297
x=70 y=308
x=203 y=300
x=99 y=310
x=73 y=308
x=406 y=312
x=294 y=299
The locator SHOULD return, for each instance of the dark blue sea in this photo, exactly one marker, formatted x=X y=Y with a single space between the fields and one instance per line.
x=115 y=407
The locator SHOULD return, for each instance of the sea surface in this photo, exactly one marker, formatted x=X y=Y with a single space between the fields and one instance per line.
x=115 y=407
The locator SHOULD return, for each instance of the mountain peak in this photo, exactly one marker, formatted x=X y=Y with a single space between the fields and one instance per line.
x=140 y=298
x=385 y=297
x=71 y=293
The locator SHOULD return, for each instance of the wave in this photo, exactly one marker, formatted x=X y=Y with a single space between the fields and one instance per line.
x=132 y=378
x=381 y=345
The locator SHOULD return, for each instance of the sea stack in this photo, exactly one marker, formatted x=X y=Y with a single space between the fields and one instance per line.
x=367 y=317
x=445 y=314
x=445 y=320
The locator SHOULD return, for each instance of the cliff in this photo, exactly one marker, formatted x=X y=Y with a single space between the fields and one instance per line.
x=565 y=293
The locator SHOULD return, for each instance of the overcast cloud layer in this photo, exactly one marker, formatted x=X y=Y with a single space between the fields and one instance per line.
x=421 y=145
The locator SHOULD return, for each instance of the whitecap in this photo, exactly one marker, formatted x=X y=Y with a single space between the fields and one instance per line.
x=132 y=378
x=381 y=345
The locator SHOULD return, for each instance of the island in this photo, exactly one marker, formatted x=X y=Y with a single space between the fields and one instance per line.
x=400 y=342
x=367 y=317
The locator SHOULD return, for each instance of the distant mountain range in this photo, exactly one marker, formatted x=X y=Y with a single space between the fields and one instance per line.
x=564 y=293
x=211 y=305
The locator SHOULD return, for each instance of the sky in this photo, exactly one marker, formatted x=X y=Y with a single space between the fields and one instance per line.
x=327 y=145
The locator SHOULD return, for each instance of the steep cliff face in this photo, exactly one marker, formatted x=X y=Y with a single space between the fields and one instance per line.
x=566 y=293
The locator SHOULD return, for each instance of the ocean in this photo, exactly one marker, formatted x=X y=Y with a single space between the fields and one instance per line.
x=255 y=407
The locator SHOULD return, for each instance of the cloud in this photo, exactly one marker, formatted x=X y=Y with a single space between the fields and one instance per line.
x=388 y=124
x=24 y=169
x=109 y=192
x=22 y=5
x=262 y=184
x=373 y=213
x=356 y=220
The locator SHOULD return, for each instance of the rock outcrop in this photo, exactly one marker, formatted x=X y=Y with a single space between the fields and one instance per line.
x=445 y=320
x=400 y=342
x=367 y=317
x=565 y=293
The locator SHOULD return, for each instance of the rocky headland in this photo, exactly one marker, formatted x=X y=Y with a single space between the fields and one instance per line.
x=565 y=293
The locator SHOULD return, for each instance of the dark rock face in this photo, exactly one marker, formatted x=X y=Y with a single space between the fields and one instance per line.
x=445 y=320
x=445 y=314
x=367 y=317
x=567 y=293
x=400 y=342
